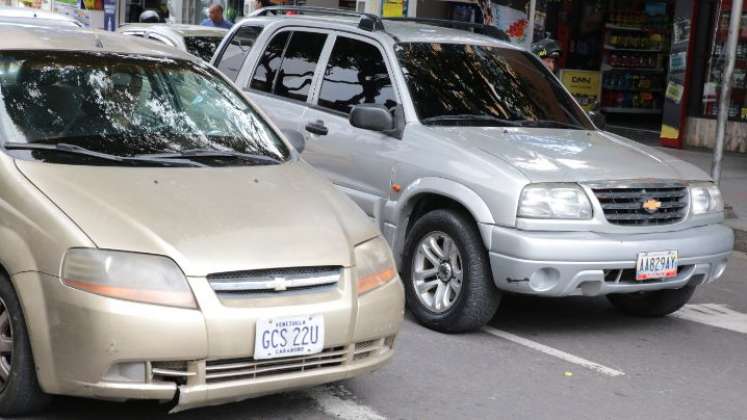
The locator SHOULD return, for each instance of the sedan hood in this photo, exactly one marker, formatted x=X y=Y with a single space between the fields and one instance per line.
x=558 y=155
x=209 y=219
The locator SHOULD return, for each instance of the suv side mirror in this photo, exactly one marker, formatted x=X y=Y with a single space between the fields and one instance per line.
x=296 y=139
x=372 y=117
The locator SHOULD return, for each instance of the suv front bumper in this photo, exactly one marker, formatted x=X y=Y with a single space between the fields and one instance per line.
x=589 y=263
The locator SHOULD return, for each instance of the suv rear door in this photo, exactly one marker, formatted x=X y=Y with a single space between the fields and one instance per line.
x=358 y=161
x=281 y=81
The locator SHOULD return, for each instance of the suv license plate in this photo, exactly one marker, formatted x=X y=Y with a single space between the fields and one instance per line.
x=289 y=336
x=656 y=265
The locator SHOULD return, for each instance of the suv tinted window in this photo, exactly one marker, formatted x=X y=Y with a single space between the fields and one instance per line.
x=301 y=56
x=238 y=48
x=356 y=74
x=268 y=65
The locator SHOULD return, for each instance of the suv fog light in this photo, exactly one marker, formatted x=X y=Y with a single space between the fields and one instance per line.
x=544 y=279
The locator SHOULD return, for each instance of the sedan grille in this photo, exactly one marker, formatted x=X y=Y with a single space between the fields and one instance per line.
x=643 y=204
x=275 y=280
x=229 y=370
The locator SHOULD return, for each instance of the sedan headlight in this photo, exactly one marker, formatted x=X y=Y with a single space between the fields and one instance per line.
x=374 y=265
x=126 y=275
x=554 y=201
x=705 y=197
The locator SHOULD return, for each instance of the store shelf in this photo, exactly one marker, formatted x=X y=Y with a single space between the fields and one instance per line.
x=644 y=50
x=635 y=28
x=616 y=110
x=607 y=68
x=657 y=90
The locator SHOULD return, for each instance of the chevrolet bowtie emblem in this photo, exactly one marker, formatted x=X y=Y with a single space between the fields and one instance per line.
x=279 y=284
x=651 y=205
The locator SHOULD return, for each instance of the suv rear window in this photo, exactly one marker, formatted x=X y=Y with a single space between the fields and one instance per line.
x=356 y=74
x=202 y=46
x=238 y=48
x=289 y=76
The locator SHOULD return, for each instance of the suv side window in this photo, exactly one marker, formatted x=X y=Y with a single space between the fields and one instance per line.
x=233 y=56
x=287 y=65
x=264 y=75
x=356 y=74
x=299 y=63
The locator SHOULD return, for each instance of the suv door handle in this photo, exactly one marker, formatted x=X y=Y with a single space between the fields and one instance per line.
x=317 y=127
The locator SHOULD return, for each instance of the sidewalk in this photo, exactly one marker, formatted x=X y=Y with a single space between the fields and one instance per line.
x=733 y=179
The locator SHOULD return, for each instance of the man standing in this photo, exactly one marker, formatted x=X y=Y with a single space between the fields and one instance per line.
x=215 y=18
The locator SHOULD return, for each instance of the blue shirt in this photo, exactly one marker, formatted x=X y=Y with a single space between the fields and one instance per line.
x=222 y=24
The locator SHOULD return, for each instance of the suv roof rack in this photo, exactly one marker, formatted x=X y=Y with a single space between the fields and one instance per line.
x=368 y=22
x=478 y=28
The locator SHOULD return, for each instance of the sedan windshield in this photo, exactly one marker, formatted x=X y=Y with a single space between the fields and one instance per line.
x=124 y=106
x=457 y=84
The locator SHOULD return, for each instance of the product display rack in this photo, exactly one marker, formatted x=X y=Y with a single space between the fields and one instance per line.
x=633 y=68
x=716 y=62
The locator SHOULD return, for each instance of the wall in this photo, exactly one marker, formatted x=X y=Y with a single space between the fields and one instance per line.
x=701 y=132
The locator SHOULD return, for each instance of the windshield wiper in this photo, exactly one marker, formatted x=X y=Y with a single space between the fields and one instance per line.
x=78 y=150
x=482 y=119
x=211 y=153
x=550 y=124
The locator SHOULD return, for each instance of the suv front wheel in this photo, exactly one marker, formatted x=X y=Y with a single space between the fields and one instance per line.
x=447 y=273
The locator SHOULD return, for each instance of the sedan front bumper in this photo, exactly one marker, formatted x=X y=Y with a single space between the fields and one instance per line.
x=589 y=263
x=97 y=347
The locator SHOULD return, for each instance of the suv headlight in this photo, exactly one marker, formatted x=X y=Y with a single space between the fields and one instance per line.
x=374 y=265
x=705 y=197
x=126 y=275
x=554 y=201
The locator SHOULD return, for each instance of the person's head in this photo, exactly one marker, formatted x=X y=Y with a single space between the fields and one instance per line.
x=215 y=13
x=548 y=51
x=258 y=4
x=149 y=16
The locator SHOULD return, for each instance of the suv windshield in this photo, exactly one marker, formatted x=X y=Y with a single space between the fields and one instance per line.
x=128 y=106
x=202 y=46
x=457 y=84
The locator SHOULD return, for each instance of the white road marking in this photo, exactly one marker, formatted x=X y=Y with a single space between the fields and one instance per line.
x=715 y=315
x=553 y=352
x=338 y=402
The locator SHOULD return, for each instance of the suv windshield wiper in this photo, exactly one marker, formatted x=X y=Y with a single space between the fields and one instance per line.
x=78 y=150
x=211 y=153
x=550 y=124
x=481 y=119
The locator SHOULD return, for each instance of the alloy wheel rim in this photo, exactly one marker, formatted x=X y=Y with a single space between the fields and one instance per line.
x=6 y=344
x=437 y=272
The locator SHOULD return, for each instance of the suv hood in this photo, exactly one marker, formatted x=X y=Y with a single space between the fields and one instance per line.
x=560 y=155
x=209 y=219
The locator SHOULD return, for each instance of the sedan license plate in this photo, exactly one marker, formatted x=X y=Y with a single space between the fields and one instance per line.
x=656 y=265
x=288 y=336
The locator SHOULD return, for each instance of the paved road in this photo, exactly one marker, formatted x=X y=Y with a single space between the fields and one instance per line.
x=537 y=367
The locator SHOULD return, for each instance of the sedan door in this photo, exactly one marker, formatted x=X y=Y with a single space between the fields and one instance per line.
x=359 y=162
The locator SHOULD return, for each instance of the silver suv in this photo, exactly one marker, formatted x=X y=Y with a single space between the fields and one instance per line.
x=482 y=172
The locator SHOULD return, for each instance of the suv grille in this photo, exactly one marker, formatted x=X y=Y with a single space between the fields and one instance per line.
x=275 y=280
x=627 y=205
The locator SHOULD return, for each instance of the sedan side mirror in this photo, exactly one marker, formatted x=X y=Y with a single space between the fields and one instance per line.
x=598 y=119
x=372 y=117
x=296 y=139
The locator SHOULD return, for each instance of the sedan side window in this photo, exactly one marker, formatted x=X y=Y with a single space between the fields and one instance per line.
x=356 y=74
x=233 y=56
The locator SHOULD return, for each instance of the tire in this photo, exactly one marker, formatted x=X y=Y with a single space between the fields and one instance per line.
x=470 y=290
x=20 y=393
x=652 y=304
